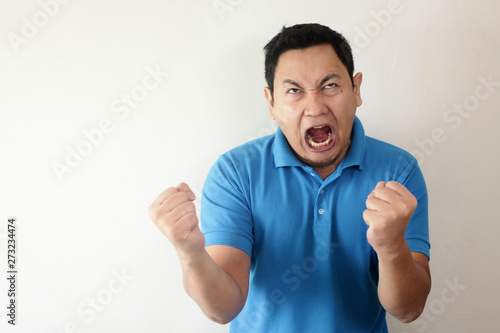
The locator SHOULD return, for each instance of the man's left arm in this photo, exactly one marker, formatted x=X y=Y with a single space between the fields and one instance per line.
x=404 y=276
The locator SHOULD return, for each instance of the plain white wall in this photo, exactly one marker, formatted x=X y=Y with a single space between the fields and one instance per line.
x=66 y=68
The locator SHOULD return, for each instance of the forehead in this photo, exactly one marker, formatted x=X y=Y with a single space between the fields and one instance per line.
x=309 y=64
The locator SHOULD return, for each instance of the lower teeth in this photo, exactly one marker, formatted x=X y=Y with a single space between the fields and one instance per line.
x=320 y=144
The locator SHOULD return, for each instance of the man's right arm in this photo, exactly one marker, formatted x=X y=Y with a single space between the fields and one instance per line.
x=216 y=277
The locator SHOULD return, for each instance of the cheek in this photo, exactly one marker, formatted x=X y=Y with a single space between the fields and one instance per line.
x=290 y=112
x=288 y=116
x=344 y=113
x=343 y=105
x=345 y=127
x=291 y=128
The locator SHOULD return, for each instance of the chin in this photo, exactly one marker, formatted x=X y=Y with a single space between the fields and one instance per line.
x=319 y=163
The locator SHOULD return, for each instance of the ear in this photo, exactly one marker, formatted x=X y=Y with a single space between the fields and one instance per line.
x=270 y=102
x=357 y=79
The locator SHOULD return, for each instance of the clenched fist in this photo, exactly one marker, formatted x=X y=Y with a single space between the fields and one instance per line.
x=390 y=207
x=175 y=215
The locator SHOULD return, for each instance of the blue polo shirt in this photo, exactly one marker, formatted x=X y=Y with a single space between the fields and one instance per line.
x=312 y=268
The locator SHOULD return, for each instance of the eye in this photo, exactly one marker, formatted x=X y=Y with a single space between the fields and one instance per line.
x=293 y=91
x=330 y=89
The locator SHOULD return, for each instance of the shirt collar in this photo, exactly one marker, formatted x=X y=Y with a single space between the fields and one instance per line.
x=358 y=146
x=284 y=156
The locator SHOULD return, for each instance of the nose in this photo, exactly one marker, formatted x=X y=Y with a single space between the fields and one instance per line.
x=315 y=105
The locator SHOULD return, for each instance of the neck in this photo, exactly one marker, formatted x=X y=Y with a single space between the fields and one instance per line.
x=325 y=172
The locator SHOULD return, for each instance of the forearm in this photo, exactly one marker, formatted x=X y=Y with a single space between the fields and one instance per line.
x=215 y=291
x=403 y=284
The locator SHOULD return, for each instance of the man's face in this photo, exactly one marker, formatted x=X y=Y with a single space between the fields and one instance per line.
x=314 y=103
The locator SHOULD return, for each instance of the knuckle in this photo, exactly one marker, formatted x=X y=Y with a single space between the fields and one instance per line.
x=413 y=202
x=183 y=196
x=178 y=213
x=182 y=186
x=168 y=193
x=185 y=208
x=153 y=212
x=393 y=184
x=175 y=201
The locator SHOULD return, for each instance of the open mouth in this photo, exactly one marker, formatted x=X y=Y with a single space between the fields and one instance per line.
x=320 y=138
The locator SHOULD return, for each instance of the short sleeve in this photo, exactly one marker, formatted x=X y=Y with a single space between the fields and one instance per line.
x=417 y=232
x=225 y=217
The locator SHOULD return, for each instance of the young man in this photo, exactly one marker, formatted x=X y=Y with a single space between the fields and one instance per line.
x=316 y=228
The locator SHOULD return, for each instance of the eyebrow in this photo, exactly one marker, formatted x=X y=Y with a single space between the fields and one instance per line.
x=292 y=82
x=327 y=77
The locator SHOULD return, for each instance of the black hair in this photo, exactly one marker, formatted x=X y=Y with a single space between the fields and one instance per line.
x=302 y=36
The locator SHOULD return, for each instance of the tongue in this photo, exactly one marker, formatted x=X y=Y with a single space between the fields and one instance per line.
x=319 y=134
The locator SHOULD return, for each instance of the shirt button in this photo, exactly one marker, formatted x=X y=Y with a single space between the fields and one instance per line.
x=312 y=174
x=322 y=192
x=321 y=211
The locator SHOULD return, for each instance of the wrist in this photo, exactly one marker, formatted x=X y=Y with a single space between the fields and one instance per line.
x=394 y=253
x=192 y=258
